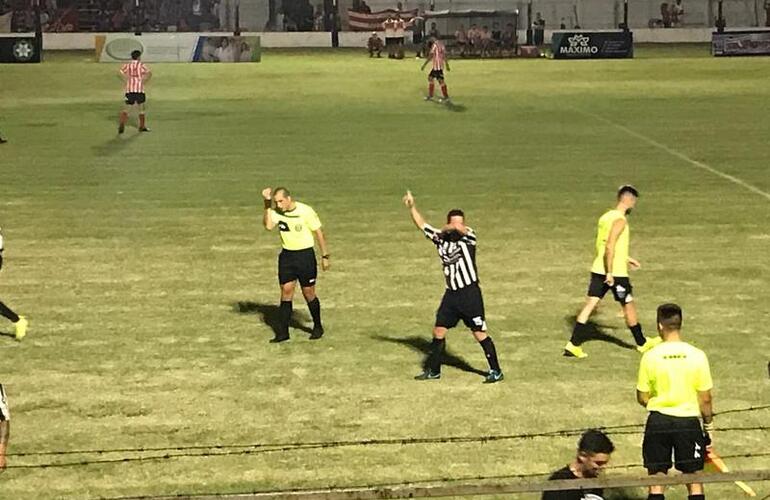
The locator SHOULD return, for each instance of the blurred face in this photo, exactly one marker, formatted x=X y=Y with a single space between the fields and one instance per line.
x=591 y=464
x=456 y=222
x=282 y=202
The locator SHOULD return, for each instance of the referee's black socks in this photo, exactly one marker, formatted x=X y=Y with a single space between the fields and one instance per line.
x=636 y=331
x=436 y=354
x=697 y=497
x=5 y=311
x=656 y=496
x=579 y=333
x=491 y=353
x=284 y=314
x=315 y=311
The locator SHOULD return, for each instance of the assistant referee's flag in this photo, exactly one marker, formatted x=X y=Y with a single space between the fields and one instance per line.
x=720 y=465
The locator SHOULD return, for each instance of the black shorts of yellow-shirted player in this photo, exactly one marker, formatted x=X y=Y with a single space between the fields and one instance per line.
x=19 y=322
x=609 y=272
x=456 y=246
x=298 y=224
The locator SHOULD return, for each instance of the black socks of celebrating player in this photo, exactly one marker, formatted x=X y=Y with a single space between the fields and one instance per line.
x=6 y=312
x=284 y=314
x=636 y=331
x=315 y=311
x=696 y=497
x=436 y=353
x=491 y=353
x=656 y=496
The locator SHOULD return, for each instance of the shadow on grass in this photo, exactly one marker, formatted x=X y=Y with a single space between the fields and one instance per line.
x=8 y=334
x=593 y=332
x=457 y=108
x=422 y=345
x=115 y=145
x=270 y=315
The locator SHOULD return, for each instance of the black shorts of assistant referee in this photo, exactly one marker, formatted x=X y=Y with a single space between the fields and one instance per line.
x=621 y=290
x=436 y=73
x=296 y=265
x=682 y=436
x=465 y=304
x=135 y=98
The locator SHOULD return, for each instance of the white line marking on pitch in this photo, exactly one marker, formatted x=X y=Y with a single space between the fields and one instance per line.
x=679 y=155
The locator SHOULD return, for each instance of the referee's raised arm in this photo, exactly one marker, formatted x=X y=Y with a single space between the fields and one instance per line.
x=419 y=221
x=267 y=221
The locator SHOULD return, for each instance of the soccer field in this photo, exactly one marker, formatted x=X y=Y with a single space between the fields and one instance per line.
x=148 y=280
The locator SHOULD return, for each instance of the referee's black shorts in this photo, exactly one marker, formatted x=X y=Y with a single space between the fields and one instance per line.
x=621 y=290
x=665 y=435
x=465 y=304
x=297 y=265
x=5 y=414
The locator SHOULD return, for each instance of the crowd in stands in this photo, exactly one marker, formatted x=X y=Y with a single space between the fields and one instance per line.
x=480 y=42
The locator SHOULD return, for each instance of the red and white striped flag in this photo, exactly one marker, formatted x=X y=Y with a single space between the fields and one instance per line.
x=358 y=21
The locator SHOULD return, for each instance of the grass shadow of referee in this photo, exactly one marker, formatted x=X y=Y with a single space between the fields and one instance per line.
x=593 y=332
x=270 y=314
x=7 y=334
x=423 y=346
x=115 y=145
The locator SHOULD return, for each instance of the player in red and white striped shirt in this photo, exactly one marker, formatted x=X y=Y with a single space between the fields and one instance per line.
x=437 y=56
x=135 y=74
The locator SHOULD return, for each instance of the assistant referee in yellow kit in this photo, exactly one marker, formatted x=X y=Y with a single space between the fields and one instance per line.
x=297 y=224
x=674 y=384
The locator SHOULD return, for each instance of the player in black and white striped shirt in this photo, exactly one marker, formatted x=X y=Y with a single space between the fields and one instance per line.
x=456 y=245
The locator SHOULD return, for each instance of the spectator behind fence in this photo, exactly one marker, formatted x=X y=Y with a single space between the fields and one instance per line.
x=539 y=26
x=508 y=40
x=677 y=14
x=593 y=454
x=374 y=44
x=461 y=39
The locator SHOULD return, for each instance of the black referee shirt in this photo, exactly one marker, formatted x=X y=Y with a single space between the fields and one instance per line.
x=457 y=257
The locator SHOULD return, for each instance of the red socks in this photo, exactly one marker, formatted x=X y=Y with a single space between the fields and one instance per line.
x=443 y=91
x=431 y=87
x=123 y=118
x=141 y=120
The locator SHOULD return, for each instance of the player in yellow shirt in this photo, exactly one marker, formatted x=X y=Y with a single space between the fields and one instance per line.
x=19 y=322
x=675 y=385
x=610 y=272
x=298 y=224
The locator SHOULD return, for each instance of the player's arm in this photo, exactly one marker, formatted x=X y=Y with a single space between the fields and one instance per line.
x=642 y=398
x=122 y=74
x=417 y=217
x=427 y=60
x=609 y=251
x=325 y=255
x=5 y=433
x=267 y=197
x=446 y=64
x=147 y=75
x=707 y=414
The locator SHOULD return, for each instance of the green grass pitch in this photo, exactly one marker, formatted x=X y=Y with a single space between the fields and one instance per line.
x=130 y=256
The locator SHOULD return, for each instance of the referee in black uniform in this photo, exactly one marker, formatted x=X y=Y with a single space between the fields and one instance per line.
x=456 y=244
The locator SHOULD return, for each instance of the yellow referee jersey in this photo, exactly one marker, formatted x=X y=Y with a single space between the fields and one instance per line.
x=673 y=373
x=620 y=261
x=296 y=226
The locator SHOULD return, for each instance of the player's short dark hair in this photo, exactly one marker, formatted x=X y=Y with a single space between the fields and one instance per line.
x=455 y=212
x=283 y=190
x=627 y=188
x=136 y=54
x=670 y=317
x=594 y=441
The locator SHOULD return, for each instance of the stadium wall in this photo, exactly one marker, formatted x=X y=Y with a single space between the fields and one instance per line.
x=85 y=41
